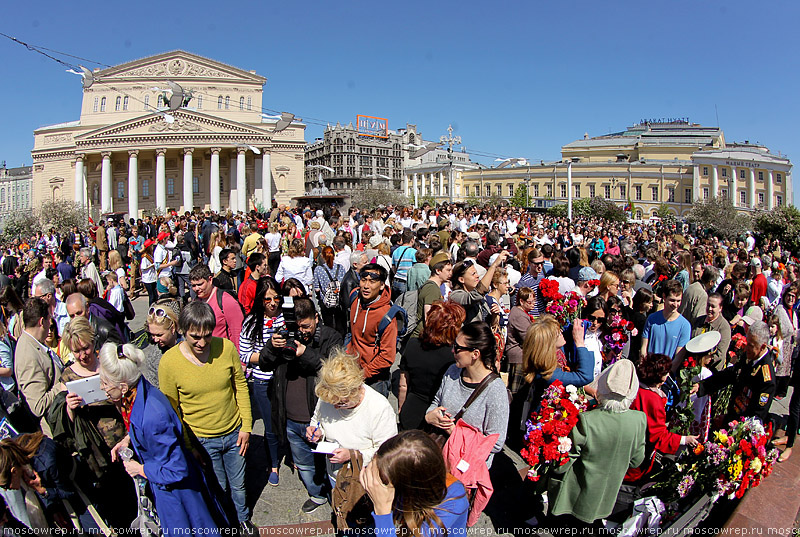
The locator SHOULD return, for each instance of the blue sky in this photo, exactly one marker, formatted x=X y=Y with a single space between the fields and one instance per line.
x=514 y=79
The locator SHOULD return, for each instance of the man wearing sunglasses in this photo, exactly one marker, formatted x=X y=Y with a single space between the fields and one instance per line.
x=372 y=301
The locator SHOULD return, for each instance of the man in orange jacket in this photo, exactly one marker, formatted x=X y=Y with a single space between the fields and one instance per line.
x=372 y=302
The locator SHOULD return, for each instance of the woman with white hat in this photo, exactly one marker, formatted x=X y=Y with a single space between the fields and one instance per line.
x=605 y=443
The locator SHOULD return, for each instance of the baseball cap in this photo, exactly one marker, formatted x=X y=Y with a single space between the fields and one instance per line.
x=586 y=274
x=752 y=315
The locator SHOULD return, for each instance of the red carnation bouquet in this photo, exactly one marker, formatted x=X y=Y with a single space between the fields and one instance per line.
x=565 y=308
x=547 y=443
x=616 y=335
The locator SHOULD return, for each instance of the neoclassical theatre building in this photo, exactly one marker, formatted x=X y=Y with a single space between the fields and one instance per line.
x=125 y=154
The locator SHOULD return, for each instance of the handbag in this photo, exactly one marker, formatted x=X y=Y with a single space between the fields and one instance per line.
x=351 y=504
x=437 y=434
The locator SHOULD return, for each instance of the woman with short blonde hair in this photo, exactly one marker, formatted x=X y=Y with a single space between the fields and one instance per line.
x=348 y=411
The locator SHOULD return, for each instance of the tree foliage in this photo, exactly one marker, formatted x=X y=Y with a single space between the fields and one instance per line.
x=60 y=215
x=520 y=197
x=666 y=214
x=372 y=198
x=782 y=223
x=720 y=217
x=590 y=207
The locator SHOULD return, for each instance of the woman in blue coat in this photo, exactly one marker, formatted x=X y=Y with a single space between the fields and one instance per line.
x=540 y=367
x=182 y=496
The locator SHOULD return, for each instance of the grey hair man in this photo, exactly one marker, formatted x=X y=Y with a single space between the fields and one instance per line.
x=89 y=269
x=46 y=290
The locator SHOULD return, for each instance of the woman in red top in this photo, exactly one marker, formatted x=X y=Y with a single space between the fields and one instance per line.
x=652 y=372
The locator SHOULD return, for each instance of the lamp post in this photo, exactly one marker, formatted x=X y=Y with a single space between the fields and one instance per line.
x=450 y=140
x=569 y=190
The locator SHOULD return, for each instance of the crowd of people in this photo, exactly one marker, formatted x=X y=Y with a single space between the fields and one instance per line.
x=372 y=335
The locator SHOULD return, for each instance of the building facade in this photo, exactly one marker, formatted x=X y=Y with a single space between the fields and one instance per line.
x=16 y=187
x=648 y=164
x=126 y=154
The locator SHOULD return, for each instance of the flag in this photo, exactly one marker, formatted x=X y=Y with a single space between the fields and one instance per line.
x=91 y=221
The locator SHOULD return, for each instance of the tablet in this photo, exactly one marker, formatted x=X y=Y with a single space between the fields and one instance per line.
x=88 y=388
x=326 y=447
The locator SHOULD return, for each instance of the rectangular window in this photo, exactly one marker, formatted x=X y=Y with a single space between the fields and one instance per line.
x=96 y=104
x=120 y=190
x=199 y=102
x=742 y=198
x=705 y=171
x=741 y=174
x=592 y=192
x=637 y=192
x=705 y=193
x=779 y=200
x=510 y=190
x=146 y=102
x=577 y=190
x=724 y=172
x=778 y=178
x=724 y=193
x=607 y=191
x=687 y=195
x=564 y=190
x=654 y=192
x=488 y=191
x=761 y=198
x=499 y=190
x=671 y=195
x=549 y=191
x=623 y=189
x=196 y=185
x=477 y=191
x=760 y=176
x=536 y=190
x=145 y=188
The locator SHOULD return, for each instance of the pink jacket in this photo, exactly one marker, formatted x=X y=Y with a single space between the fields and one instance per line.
x=469 y=445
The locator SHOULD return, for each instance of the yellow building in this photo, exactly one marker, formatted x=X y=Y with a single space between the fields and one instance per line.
x=125 y=154
x=648 y=164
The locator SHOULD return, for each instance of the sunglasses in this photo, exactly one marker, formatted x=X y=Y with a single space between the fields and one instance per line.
x=468 y=263
x=459 y=348
x=374 y=276
x=158 y=312
x=595 y=319
x=275 y=299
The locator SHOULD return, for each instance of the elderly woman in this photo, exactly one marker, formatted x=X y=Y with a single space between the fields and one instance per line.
x=519 y=320
x=605 y=443
x=296 y=265
x=203 y=379
x=425 y=361
x=470 y=290
x=652 y=372
x=475 y=352
x=349 y=412
x=787 y=316
x=182 y=496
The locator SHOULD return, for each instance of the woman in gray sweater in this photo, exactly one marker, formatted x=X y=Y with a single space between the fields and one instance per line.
x=474 y=352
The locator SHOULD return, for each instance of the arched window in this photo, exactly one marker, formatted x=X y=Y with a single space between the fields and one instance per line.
x=96 y=104
x=118 y=104
x=103 y=104
x=249 y=103
x=146 y=102
x=219 y=103
x=227 y=102
x=125 y=103
x=120 y=190
x=199 y=102
x=241 y=103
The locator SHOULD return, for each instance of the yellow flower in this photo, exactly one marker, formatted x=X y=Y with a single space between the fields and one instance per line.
x=755 y=465
x=722 y=438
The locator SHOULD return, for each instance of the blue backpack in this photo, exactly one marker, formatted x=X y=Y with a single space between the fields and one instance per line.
x=395 y=312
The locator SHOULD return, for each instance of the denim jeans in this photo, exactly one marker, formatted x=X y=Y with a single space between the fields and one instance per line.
x=398 y=288
x=260 y=401
x=184 y=287
x=309 y=465
x=229 y=468
x=383 y=387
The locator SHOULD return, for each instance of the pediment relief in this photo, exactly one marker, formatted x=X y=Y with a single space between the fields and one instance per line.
x=184 y=122
x=177 y=65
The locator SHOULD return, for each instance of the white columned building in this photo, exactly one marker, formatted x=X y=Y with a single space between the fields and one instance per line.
x=133 y=181
x=188 y=186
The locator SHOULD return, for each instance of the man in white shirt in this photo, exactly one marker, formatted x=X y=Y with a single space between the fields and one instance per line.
x=47 y=263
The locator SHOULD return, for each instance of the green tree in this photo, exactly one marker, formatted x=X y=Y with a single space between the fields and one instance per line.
x=781 y=223
x=371 y=198
x=472 y=201
x=665 y=214
x=558 y=211
x=61 y=215
x=719 y=216
x=520 y=197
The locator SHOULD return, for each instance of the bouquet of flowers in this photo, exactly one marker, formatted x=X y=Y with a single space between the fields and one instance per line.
x=736 y=349
x=730 y=462
x=547 y=444
x=565 y=308
x=682 y=414
x=616 y=335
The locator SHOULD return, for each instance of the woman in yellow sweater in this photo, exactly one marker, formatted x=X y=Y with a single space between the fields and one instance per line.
x=202 y=377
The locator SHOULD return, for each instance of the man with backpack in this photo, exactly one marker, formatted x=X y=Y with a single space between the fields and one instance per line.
x=441 y=269
x=227 y=310
x=376 y=349
x=403 y=258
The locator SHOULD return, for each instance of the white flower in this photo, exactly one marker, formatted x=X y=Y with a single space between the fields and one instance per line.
x=564 y=444
x=572 y=390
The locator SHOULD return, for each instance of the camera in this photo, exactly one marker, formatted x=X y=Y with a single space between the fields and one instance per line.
x=289 y=329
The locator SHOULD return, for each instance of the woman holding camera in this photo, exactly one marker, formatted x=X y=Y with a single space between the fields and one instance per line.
x=264 y=320
x=470 y=290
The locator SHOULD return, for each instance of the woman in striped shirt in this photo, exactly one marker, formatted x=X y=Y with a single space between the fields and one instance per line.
x=264 y=320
